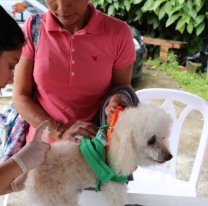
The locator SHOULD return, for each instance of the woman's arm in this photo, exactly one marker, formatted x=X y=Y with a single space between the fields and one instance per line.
x=9 y=171
x=23 y=103
x=119 y=77
x=122 y=76
x=28 y=158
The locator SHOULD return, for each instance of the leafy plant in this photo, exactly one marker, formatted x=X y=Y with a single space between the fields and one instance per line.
x=192 y=82
x=196 y=44
x=185 y=14
x=165 y=19
x=172 y=58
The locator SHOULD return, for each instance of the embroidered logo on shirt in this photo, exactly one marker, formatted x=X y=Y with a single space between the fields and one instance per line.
x=94 y=58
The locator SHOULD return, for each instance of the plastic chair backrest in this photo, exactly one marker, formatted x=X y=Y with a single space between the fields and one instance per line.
x=193 y=102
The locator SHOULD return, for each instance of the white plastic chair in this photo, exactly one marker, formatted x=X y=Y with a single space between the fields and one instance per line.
x=162 y=180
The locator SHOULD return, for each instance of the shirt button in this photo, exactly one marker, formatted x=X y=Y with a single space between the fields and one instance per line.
x=73 y=50
x=73 y=62
x=73 y=74
x=72 y=37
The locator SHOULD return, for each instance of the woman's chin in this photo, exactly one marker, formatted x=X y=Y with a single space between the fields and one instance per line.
x=68 y=21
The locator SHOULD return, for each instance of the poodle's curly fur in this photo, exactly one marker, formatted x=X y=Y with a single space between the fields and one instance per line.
x=139 y=138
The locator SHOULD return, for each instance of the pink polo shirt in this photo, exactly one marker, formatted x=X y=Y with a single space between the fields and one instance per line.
x=73 y=71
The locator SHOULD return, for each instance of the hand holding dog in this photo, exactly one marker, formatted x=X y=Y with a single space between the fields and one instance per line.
x=86 y=129
x=115 y=101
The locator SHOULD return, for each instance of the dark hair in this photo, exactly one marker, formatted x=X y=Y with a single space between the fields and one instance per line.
x=11 y=35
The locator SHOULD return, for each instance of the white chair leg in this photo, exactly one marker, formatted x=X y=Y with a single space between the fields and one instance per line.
x=5 y=201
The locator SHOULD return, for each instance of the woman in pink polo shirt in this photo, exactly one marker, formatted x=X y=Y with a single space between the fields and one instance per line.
x=81 y=54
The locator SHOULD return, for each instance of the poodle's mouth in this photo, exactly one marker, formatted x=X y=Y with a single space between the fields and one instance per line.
x=157 y=161
x=161 y=162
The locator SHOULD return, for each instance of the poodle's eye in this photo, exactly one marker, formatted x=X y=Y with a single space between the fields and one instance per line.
x=151 y=141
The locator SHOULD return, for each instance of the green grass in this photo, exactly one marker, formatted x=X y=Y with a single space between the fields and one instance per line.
x=194 y=83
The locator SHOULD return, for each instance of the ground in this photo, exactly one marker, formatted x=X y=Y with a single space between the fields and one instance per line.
x=151 y=78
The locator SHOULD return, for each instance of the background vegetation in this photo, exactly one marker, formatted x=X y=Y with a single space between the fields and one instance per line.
x=194 y=83
x=183 y=20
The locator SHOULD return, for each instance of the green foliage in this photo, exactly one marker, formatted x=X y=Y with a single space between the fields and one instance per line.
x=193 y=83
x=195 y=45
x=166 y=19
x=172 y=58
x=154 y=63
x=189 y=14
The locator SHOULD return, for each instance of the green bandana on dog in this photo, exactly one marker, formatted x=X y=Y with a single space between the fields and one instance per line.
x=93 y=151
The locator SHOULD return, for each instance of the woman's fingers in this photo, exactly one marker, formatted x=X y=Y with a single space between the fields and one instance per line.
x=46 y=147
x=110 y=111
x=86 y=129
x=19 y=183
x=115 y=101
x=39 y=131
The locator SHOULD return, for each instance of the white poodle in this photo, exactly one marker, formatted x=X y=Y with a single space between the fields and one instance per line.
x=139 y=138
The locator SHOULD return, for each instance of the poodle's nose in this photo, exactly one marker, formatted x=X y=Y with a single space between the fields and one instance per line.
x=168 y=157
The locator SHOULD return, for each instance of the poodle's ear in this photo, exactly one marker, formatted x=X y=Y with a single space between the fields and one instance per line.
x=122 y=155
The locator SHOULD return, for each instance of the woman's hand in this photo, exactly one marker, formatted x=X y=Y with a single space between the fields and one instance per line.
x=56 y=129
x=33 y=154
x=115 y=101
x=86 y=129
x=19 y=183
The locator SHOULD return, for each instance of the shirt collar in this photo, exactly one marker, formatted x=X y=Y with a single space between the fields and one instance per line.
x=94 y=26
x=51 y=24
x=96 y=22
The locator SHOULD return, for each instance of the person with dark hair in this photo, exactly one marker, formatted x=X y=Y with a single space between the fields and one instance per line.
x=32 y=155
x=11 y=42
x=11 y=35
